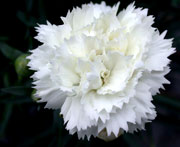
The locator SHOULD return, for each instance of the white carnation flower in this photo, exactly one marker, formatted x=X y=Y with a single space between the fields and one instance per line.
x=101 y=69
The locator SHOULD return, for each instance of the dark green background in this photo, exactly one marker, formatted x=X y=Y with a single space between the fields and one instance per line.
x=23 y=122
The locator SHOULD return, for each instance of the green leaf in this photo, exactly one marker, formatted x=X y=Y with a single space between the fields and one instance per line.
x=29 y=21
x=41 y=11
x=16 y=91
x=130 y=140
x=53 y=142
x=15 y=100
x=83 y=143
x=177 y=42
x=32 y=140
x=175 y=3
x=58 y=122
x=66 y=139
x=30 y=43
x=29 y=4
x=167 y=101
x=169 y=120
x=149 y=132
x=3 y=38
x=5 y=118
x=6 y=80
x=9 y=52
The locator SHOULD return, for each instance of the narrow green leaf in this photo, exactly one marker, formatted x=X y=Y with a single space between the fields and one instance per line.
x=82 y=143
x=175 y=3
x=60 y=139
x=5 y=118
x=29 y=21
x=53 y=142
x=169 y=120
x=3 y=38
x=130 y=140
x=6 y=80
x=32 y=140
x=67 y=139
x=15 y=100
x=167 y=101
x=41 y=11
x=29 y=4
x=58 y=122
x=30 y=43
x=17 y=91
x=177 y=42
x=149 y=132
x=27 y=34
x=9 y=52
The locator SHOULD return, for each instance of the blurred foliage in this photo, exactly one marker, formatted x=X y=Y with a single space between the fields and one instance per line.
x=23 y=122
x=9 y=52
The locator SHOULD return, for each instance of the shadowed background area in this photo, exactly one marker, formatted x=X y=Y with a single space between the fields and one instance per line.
x=23 y=122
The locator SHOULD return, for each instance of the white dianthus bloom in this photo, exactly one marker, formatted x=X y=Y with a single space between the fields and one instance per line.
x=101 y=69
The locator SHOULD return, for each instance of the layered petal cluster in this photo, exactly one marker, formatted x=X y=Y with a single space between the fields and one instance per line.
x=101 y=69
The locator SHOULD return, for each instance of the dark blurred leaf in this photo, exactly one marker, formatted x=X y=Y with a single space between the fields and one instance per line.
x=169 y=120
x=58 y=125
x=130 y=140
x=29 y=4
x=6 y=81
x=3 y=38
x=173 y=29
x=29 y=21
x=17 y=91
x=150 y=136
x=27 y=34
x=30 y=45
x=41 y=11
x=30 y=39
x=60 y=139
x=5 y=118
x=167 y=101
x=9 y=52
x=58 y=122
x=177 y=43
x=67 y=139
x=15 y=100
x=53 y=142
x=175 y=3
x=83 y=143
x=32 y=140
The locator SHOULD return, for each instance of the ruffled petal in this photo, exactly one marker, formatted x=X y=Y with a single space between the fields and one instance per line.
x=120 y=72
x=159 y=50
x=53 y=35
x=73 y=112
x=155 y=80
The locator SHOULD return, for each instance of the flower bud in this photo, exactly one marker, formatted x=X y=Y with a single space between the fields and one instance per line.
x=21 y=66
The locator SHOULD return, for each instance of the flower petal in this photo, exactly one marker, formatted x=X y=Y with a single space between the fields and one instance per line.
x=119 y=66
x=52 y=35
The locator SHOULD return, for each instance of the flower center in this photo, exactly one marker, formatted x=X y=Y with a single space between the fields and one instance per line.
x=104 y=76
x=99 y=52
